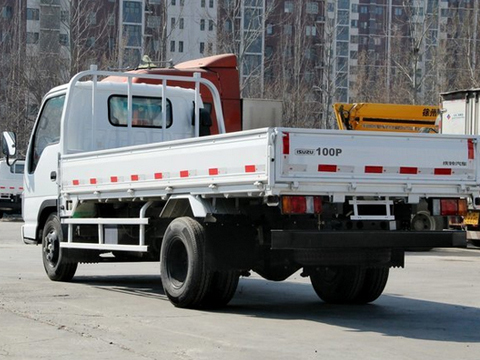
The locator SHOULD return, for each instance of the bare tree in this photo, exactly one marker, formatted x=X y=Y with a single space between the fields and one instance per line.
x=240 y=30
x=460 y=49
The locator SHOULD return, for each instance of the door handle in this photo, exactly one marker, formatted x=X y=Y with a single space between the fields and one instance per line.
x=53 y=176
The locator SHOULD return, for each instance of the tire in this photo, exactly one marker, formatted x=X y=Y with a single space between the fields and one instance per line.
x=182 y=263
x=56 y=267
x=475 y=242
x=373 y=285
x=221 y=290
x=338 y=284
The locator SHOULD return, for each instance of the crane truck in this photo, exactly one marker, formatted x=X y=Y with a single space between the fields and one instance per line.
x=129 y=171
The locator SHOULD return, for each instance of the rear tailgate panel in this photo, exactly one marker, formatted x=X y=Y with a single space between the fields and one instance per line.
x=377 y=163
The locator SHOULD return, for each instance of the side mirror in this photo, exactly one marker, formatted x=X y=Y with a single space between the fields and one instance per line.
x=9 y=144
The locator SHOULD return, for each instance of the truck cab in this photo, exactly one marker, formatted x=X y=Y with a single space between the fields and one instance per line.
x=119 y=116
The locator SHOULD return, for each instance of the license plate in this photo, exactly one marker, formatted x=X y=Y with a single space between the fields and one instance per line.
x=472 y=218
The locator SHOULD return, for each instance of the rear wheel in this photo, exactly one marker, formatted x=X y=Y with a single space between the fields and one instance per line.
x=54 y=261
x=338 y=284
x=222 y=289
x=373 y=285
x=184 y=275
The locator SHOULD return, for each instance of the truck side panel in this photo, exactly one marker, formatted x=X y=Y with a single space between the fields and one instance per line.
x=211 y=164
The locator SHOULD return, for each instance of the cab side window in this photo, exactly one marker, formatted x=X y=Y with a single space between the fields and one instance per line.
x=47 y=131
x=146 y=111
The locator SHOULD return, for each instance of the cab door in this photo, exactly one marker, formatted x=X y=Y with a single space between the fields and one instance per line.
x=41 y=167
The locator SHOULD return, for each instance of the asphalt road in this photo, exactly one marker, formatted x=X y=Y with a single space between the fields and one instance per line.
x=429 y=310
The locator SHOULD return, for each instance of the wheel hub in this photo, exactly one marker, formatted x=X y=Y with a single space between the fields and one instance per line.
x=51 y=244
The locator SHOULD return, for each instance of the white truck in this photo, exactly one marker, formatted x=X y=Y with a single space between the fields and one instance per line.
x=11 y=187
x=460 y=114
x=128 y=172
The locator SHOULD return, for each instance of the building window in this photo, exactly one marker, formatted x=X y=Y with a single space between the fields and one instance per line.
x=153 y=22
x=288 y=7
x=63 y=39
x=181 y=24
x=287 y=29
x=172 y=22
x=311 y=31
x=133 y=35
x=64 y=15
x=312 y=7
x=210 y=25
x=202 y=3
x=269 y=29
x=202 y=24
x=172 y=46
x=33 y=14
x=111 y=19
x=91 y=41
x=92 y=18
x=182 y=2
x=174 y=2
x=397 y=11
x=210 y=4
x=32 y=38
x=7 y=12
x=202 y=47
x=132 y=12
x=180 y=46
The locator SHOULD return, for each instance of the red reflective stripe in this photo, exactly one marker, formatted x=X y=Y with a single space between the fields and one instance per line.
x=213 y=171
x=250 y=168
x=408 y=170
x=374 y=169
x=286 y=143
x=2 y=187
x=327 y=168
x=442 y=171
x=114 y=179
x=12 y=188
x=20 y=188
x=184 y=173
x=76 y=182
x=471 y=149
x=134 y=177
x=93 y=181
x=158 y=176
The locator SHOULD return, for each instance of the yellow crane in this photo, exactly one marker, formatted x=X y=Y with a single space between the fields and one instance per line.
x=386 y=117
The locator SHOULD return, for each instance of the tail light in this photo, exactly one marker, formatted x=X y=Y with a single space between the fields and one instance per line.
x=301 y=205
x=449 y=207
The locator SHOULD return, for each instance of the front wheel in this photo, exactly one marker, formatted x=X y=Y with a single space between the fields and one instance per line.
x=56 y=266
x=185 y=278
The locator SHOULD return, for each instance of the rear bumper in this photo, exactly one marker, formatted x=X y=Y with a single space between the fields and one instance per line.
x=297 y=239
